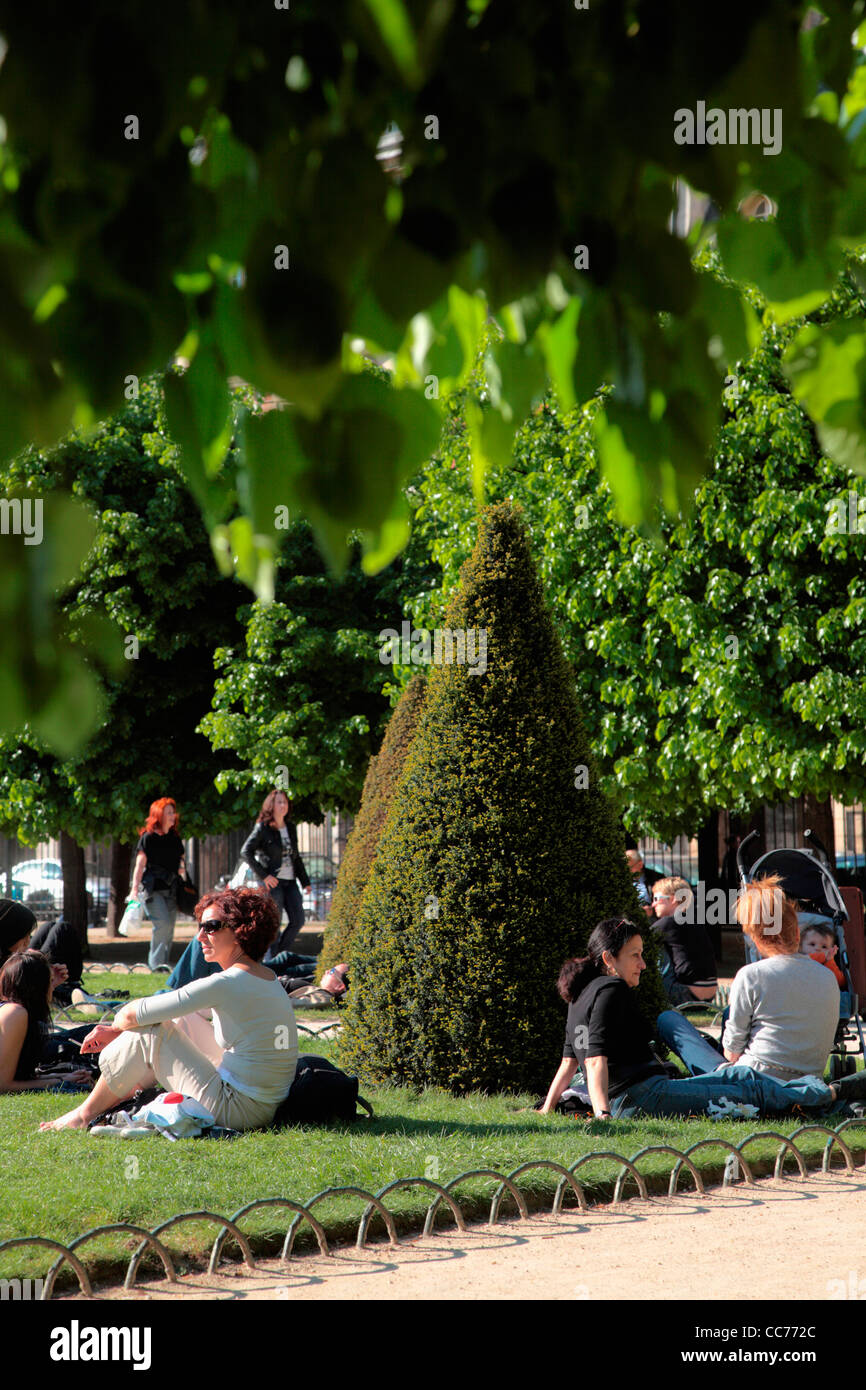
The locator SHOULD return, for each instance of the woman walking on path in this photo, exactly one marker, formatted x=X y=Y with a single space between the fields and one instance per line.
x=158 y=862
x=272 y=853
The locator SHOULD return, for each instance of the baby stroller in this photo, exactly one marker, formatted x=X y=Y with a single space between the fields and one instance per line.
x=806 y=877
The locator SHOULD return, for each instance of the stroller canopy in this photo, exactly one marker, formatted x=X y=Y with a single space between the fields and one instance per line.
x=803 y=877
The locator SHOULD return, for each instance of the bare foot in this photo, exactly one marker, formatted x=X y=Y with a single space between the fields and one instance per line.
x=73 y=1119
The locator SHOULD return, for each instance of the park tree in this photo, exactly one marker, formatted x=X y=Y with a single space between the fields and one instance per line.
x=300 y=698
x=499 y=854
x=149 y=580
x=719 y=655
x=216 y=194
x=383 y=774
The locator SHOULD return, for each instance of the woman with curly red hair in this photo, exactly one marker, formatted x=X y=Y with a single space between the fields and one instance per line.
x=158 y=862
x=240 y=1063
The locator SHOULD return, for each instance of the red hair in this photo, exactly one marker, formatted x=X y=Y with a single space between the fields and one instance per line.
x=154 y=815
x=251 y=913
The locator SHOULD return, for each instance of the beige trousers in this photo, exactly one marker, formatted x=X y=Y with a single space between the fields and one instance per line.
x=182 y=1056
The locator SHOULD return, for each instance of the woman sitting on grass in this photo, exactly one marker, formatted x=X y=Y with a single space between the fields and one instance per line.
x=609 y=1040
x=784 y=1007
x=25 y=995
x=241 y=1065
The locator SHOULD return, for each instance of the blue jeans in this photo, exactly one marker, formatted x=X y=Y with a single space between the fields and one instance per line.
x=683 y=1038
x=287 y=894
x=659 y=1095
x=161 y=908
x=714 y=1079
x=193 y=966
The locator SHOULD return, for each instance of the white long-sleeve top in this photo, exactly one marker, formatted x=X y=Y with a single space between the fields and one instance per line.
x=253 y=1023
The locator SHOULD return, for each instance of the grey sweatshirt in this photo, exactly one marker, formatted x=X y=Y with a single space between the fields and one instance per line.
x=784 y=1013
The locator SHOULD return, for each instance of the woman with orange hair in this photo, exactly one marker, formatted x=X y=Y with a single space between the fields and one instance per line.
x=158 y=862
x=783 y=1012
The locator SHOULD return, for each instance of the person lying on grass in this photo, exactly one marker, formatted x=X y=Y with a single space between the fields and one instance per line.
x=26 y=982
x=784 y=1007
x=239 y=1063
x=609 y=1040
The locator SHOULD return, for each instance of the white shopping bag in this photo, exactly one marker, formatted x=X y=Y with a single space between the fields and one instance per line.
x=132 y=917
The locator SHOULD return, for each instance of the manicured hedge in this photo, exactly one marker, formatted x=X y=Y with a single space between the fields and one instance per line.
x=382 y=777
x=493 y=865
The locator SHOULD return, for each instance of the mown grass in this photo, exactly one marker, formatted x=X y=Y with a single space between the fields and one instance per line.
x=62 y=1184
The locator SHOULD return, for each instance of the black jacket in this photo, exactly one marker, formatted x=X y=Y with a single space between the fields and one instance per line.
x=263 y=851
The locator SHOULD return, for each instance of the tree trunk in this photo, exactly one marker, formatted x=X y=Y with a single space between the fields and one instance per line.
x=74 y=886
x=818 y=816
x=121 y=861
x=708 y=870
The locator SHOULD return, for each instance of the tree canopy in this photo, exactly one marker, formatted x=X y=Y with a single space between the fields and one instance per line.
x=203 y=181
x=720 y=662
x=150 y=584
x=300 y=699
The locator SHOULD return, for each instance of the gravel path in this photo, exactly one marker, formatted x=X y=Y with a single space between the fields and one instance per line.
x=809 y=1234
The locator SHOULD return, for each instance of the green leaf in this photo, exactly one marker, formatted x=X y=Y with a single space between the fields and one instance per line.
x=827 y=366
x=559 y=345
x=396 y=30
x=197 y=410
x=468 y=313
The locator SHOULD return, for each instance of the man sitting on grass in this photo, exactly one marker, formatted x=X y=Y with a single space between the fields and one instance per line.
x=687 y=962
x=784 y=1008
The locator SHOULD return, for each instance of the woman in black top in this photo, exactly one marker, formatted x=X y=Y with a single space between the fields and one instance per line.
x=158 y=862
x=609 y=1040
x=272 y=853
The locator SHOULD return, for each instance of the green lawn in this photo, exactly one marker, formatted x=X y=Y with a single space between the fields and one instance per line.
x=61 y=1184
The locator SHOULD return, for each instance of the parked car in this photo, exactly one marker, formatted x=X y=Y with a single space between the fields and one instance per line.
x=38 y=883
x=17 y=888
x=316 y=899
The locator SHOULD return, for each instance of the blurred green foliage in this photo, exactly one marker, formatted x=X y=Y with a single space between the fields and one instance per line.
x=150 y=598
x=719 y=658
x=203 y=181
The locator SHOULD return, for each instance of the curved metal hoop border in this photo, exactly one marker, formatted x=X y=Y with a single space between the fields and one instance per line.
x=374 y=1204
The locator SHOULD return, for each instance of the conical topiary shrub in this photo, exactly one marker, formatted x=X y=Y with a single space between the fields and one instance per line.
x=380 y=784
x=498 y=856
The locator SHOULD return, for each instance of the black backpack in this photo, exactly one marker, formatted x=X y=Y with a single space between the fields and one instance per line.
x=320 y=1093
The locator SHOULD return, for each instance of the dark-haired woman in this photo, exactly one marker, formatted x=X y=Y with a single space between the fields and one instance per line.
x=25 y=994
x=609 y=1040
x=158 y=862
x=272 y=853
x=240 y=1063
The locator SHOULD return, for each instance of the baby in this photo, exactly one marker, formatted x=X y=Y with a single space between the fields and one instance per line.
x=819 y=943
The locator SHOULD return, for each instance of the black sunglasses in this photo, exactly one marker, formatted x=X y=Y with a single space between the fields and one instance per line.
x=211 y=927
